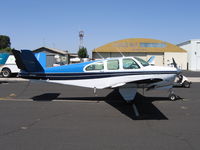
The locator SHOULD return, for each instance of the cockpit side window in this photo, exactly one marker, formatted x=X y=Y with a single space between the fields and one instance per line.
x=113 y=64
x=95 y=66
x=129 y=63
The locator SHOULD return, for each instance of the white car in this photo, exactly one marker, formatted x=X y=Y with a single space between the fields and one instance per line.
x=9 y=68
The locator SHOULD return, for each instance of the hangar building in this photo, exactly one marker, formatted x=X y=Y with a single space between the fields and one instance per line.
x=54 y=56
x=193 y=49
x=144 y=48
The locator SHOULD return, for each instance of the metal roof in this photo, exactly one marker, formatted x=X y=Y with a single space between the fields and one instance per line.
x=188 y=42
x=139 y=45
x=52 y=50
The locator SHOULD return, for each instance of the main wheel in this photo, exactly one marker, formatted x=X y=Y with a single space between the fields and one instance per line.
x=6 y=72
x=172 y=97
x=186 y=84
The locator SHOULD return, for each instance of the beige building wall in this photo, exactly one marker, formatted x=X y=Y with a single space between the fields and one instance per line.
x=159 y=57
x=180 y=58
x=101 y=55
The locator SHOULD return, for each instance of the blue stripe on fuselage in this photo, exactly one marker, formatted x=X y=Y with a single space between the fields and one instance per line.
x=75 y=68
x=91 y=75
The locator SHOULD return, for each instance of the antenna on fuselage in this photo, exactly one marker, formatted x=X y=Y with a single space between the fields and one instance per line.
x=100 y=55
x=120 y=52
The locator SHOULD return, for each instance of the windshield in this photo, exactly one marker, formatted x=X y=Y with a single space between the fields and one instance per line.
x=143 y=62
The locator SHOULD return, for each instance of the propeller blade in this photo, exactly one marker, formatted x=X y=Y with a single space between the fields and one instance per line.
x=174 y=63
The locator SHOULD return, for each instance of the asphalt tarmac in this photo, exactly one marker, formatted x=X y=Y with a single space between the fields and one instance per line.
x=40 y=116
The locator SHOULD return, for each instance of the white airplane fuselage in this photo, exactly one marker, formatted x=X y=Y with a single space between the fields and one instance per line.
x=124 y=73
x=116 y=81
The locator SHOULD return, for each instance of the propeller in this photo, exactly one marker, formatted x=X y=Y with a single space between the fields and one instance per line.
x=174 y=63
x=175 y=66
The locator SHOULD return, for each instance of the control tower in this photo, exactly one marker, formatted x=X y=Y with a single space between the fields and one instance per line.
x=81 y=35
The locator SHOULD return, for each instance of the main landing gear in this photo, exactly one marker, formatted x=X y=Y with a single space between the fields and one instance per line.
x=172 y=96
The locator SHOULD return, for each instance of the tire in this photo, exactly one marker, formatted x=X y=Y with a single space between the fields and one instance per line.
x=172 y=97
x=6 y=72
x=186 y=84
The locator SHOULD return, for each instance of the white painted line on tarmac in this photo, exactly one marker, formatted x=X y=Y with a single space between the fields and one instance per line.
x=194 y=79
x=55 y=100
x=135 y=110
x=12 y=79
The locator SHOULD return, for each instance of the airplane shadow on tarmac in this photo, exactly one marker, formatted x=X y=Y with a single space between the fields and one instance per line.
x=55 y=96
x=46 y=97
x=145 y=107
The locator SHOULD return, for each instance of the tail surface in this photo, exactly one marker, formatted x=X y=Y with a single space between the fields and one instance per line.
x=151 y=60
x=27 y=61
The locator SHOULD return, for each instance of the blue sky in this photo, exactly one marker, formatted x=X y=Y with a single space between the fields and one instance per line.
x=56 y=23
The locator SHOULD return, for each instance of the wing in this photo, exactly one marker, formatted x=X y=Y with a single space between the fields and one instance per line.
x=138 y=83
x=128 y=90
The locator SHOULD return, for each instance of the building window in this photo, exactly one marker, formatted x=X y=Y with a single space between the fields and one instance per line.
x=113 y=64
x=96 y=66
x=130 y=64
x=153 y=45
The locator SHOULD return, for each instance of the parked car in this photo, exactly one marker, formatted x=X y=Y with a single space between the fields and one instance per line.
x=182 y=81
x=8 y=66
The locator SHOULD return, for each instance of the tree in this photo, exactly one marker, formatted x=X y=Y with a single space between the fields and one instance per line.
x=82 y=53
x=4 y=42
x=6 y=50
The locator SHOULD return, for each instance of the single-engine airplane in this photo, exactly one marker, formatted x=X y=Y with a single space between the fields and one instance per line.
x=125 y=74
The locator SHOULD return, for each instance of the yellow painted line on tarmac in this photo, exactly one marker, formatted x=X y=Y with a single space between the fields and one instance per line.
x=10 y=96
x=16 y=100
x=3 y=98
